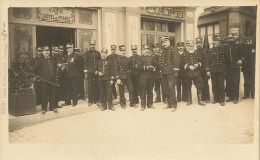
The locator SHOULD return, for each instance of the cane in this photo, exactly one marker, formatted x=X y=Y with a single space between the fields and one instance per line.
x=240 y=83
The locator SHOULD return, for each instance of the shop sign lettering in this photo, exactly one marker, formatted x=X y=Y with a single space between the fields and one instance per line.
x=60 y=15
x=164 y=11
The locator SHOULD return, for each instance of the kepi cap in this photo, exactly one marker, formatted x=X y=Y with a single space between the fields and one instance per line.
x=145 y=46
x=180 y=44
x=190 y=43
x=122 y=48
x=156 y=45
x=76 y=50
x=134 y=47
x=113 y=47
x=45 y=48
x=104 y=50
x=69 y=45
x=216 y=38
x=92 y=42
x=199 y=40
x=165 y=38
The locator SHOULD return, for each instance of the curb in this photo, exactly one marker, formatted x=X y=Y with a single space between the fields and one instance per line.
x=28 y=120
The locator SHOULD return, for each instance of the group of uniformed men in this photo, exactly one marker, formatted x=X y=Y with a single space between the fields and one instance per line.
x=61 y=74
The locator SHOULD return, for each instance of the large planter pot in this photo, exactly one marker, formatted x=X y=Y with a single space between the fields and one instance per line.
x=22 y=103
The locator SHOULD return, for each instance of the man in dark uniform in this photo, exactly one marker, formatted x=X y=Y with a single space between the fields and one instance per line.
x=135 y=73
x=169 y=67
x=204 y=57
x=146 y=65
x=81 y=75
x=124 y=73
x=113 y=57
x=36 y=84
x=61 y=82
x=71 y=74
x=216 y=68
x=192 y=64
x=90 y=60
x=248 y=68
x=234 y=61
x=157 y=76
x=181 y=86
x=47 y=67
x=56 y=56
x=106 y=71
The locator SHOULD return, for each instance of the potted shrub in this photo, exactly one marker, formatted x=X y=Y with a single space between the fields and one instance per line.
x=22 y=98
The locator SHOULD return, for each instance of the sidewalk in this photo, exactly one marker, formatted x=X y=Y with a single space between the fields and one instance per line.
x=28 y=120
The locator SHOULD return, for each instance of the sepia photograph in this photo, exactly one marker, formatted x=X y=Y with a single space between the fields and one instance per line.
x=131 y=77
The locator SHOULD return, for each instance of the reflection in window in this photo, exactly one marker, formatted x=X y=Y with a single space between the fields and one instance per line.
x=24 y=13
x=149 y=26
x=86 y=16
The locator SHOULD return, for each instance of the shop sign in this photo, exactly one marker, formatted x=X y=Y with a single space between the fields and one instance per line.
x=60 y=15
x=164 y=11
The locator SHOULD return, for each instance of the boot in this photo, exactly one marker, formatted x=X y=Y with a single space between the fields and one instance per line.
x=200 y=100
x=189 y=101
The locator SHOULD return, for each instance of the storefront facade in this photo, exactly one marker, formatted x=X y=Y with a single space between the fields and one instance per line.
x=31 y=27
x=226 y=20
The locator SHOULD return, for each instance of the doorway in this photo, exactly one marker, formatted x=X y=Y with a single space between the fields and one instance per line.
x=54 y=36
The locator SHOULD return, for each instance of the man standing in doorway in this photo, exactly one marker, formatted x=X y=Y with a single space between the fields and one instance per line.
x=169 y=67
x=90 y=59
x=47 y=67
x=71 y=73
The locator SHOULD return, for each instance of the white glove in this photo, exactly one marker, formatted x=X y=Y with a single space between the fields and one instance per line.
x=85 y=71
x=191 y=68
x=59 y=65
x=239 y=62
x=111 y=82
x=118 y=81
x=253 y=50
x=100 y=74
x=196 y=65
x=208 y=74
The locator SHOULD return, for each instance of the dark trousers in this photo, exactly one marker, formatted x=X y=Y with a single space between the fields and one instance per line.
x=217 y=80
x=197 y=80
x=146 y=88
x=168 y=83
x=48 y=92
x=105 y=91
x=81 y=89
x=37 y=88
x=232 y=83
x=249 y=83
x=157 y=89
x=129 y=85
x=113 y=86
x=181 y=89
x=92 y=88
x=205 y=87
x=135 y=81
x=71 y=90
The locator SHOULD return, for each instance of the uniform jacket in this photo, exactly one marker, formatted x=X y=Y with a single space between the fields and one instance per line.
x=204 y=57
x=133 y=64
x=181 y=64
x=108 y=68
x=143 y=63
x=190 y=59
x=156 y=58
x=90 y=60
x=217 y=61
x=124 y=70
x=248 y=57
x=46 y=69
x=81 y=66
x=72 y=65
x=169 y=61
x=233 y=54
